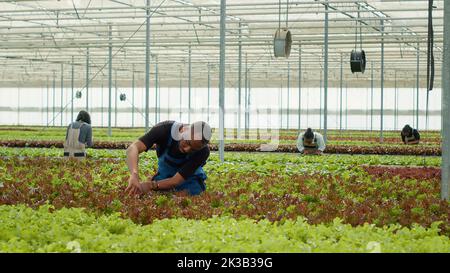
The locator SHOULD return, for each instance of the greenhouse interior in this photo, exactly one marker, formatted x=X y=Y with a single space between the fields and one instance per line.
x=265 y=126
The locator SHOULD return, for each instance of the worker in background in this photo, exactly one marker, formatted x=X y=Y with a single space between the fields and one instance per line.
x=310 y=143
x=182 y=151
x=78 y=136
x=410 y=135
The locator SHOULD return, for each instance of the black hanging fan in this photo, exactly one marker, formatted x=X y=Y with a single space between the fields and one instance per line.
x=123 y=97
x=78 y=95
x=358 y=57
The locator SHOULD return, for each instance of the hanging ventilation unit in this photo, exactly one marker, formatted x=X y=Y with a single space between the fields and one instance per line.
x=283 y=40
x=358 y=61
x=358 y=57
x=78 y=95
x=282 y=43
x=123 y=97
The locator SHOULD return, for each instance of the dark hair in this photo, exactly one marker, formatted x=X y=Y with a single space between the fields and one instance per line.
x=309 y=134
x=407 y=130
x=84 y=116
x=206 y=130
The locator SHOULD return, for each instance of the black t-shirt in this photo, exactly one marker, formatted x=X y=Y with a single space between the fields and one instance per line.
x=159 y=135
x=415 y=133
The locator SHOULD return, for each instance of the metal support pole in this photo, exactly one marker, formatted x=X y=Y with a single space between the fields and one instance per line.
x=157 y=106
x=87 y=79
x=239 y=81
x=222 y=80
x=346 y=106
x=249 y=99
x=18 y=105
x=101 y=105
x=115 y=98
x=417 y=86
x=281 y=105
x=181 y=87
x=132 y=98
x=299 y=85
x=54 y=97
x=382 y=80
x=371 y=96
x=307 y=108
x=42 y=103
x=395 y=100
x=72 y=86
x=209 y=90
x=189 y=83
x=445 y=167
x=340 y=100
x=414 y=106
x=325 y=82
x=320 y=101
x=246 y=95
x=147 y=64
x=48 y=101
x=62 y=93
x=288 y=94
x=109 y=79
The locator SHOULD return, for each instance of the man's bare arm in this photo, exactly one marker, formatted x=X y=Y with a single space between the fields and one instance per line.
x=165 y=184
x=133 y=152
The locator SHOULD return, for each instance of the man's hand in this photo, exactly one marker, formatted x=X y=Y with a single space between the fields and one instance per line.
x=134 y=186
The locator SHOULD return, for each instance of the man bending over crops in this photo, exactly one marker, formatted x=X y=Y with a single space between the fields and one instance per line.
x=310 y=143
x=182 y=151
x=410 y=135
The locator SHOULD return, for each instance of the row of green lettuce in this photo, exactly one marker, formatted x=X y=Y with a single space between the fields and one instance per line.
x=101 y=134
x=258 y=159
x=240 y=163
x=74 y=230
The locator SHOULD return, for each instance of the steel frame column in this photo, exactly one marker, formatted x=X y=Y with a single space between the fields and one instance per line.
x=222 y=80
x=48 y=98
x=54 y=98
x=132 y=97
x=147 y=65
x=288 y=94
x=346 y=106
x=189 y=83
x=72 y=87
x=181 y=82
x=101 y=105
x=109 y=79
x=395 y=101
x=340 y=100
x=445 y=167
x=115 y=98
x=325 y=83
x=418 y=87
x=382 y=81
x=320 y=101
x=87 y=79
x=246 y=96
x=209 y=91
x=18 y=105
x=371 y=97
x=62 y=93
x=299 y=85
x=157 y=106
x=239 y=81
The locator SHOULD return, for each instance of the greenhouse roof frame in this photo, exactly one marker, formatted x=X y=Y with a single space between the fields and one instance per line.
x=38 y=36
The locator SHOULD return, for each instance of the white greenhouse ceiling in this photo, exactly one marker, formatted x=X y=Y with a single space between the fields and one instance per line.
x=40 y=40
